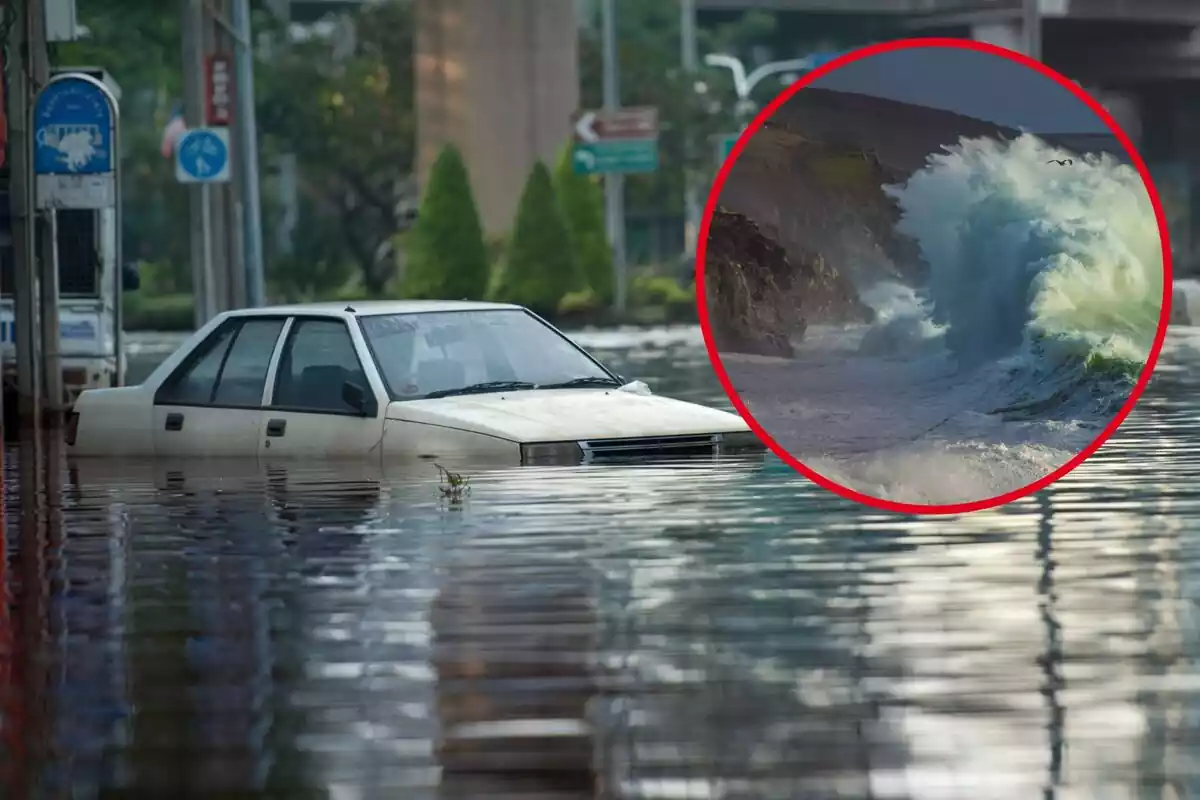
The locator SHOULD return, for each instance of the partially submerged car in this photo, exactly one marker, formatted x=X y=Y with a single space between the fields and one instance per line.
x=411 y=379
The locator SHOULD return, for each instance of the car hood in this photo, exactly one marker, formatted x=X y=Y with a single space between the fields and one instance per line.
x=556 y=415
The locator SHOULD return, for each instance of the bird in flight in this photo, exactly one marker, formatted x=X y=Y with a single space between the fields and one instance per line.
x=1060 y=161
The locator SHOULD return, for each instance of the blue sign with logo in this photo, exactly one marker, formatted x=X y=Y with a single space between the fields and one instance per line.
x=203 y=155
x=78 y=330
x=73 y=124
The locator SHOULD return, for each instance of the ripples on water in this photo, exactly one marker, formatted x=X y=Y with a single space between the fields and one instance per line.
x=670 y=631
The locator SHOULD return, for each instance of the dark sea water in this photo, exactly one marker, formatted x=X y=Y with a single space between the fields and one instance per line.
x=667 y=631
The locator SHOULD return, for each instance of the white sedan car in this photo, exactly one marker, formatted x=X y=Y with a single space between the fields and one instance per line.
x=414 y=379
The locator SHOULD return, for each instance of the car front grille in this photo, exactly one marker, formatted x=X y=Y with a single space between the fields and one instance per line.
x=649 y=447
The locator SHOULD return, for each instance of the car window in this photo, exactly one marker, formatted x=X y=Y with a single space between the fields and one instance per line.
x=245 y=372
x=193 y=385
x=318 y=359
x=436 y=351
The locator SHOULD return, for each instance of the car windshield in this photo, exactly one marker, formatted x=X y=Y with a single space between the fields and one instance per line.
x=464 y=352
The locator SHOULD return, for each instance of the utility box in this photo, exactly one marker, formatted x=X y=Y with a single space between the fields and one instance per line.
x=61 y=22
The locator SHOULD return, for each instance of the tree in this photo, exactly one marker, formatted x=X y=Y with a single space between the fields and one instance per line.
x=139 y=46
x=339 y=98
x=347 y=114
x=447 y=257
x=540 y=266
x=582 y=205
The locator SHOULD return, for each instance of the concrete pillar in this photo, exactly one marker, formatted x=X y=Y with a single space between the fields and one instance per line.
x=1123 y=107
x=500 y=81
x=1001 y=34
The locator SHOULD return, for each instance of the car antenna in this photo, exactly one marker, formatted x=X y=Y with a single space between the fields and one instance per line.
x=350 y=309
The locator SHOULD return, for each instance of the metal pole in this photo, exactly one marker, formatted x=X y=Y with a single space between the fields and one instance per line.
x=198 y=200
x=614 y=183
x=52 y=375
x=25 y=305
x=225 y=263
x=690 y=59
x=1031 y=28
x=46 y=227
x=118 y=253
x=247 y=129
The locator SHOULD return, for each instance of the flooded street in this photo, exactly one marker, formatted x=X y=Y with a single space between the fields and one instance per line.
x=666 y=631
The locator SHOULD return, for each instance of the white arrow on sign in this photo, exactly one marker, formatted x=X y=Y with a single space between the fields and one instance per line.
x=201 y=166
x=583 y=127
x=586 y=160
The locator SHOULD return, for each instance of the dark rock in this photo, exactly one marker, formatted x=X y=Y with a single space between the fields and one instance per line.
x=826 y=200
x=760 y=297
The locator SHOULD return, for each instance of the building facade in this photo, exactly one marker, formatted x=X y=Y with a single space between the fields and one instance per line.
x=500 y=81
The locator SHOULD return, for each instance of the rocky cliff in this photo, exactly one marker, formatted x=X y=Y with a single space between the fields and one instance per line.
x=811 y=183
x=760 y=296
x=813 y=177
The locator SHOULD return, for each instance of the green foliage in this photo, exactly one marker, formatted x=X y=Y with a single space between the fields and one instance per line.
x=347 y=117
x=660 y=290
x=168 y=312
x=447 y=257
x=159 y=278
x=349 y=120
x=584 y=301
x=317 y=266
x=540 y=266
x=139 y=46
x=582 y=204
x=496 y=244
x=453 y=484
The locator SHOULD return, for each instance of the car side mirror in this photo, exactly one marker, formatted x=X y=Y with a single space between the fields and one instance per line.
x=356 y=397
x=131 y=278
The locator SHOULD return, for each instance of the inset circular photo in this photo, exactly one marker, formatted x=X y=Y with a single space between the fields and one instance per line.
x=934 y=275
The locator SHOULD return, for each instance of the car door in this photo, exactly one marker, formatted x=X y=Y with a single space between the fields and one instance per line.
x=211 y=405
x=307 y=413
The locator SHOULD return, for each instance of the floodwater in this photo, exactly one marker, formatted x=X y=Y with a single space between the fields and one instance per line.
x=668 y=631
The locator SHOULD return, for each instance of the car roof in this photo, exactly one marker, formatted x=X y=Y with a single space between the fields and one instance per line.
x=350 y=308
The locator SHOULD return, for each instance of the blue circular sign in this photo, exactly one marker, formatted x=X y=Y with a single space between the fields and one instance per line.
x=202 y=154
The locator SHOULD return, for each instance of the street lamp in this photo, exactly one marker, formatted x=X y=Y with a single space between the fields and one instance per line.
x=744 y=84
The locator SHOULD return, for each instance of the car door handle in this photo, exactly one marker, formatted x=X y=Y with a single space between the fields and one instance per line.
x=276 y=427
x=174 y=421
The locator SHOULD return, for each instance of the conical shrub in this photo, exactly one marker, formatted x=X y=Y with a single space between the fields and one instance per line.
x=539 y=264
x=582 y=203
x=447 y=257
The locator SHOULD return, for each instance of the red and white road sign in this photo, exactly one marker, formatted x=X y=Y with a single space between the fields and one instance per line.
x=622 y=123
x=219 y=89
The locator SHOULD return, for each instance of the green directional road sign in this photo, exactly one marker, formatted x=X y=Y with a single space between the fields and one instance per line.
x=616 y=141
x=627 y=155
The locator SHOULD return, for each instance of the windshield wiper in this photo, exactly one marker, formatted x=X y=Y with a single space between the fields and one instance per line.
x=481 y=388
x=589 y=381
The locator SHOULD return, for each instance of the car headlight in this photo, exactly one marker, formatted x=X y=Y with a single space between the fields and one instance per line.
x=551 y=453
x=739 y=442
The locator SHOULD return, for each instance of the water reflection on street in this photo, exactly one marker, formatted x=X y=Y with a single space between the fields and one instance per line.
x=669 y=631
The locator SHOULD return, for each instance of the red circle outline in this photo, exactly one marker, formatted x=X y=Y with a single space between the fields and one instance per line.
x=714 y=355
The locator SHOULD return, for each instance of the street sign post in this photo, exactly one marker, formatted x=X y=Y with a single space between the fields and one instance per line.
x=203 y=156
x=619 y=141
x=74 y=143
x=725 y=143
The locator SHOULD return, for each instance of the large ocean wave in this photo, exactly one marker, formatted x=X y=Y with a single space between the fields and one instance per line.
x=1041 y=306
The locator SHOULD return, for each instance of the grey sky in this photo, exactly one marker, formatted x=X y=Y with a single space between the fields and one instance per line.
x=968 y=82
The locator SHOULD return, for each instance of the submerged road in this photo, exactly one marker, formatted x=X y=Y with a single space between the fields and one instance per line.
x=912 y=430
